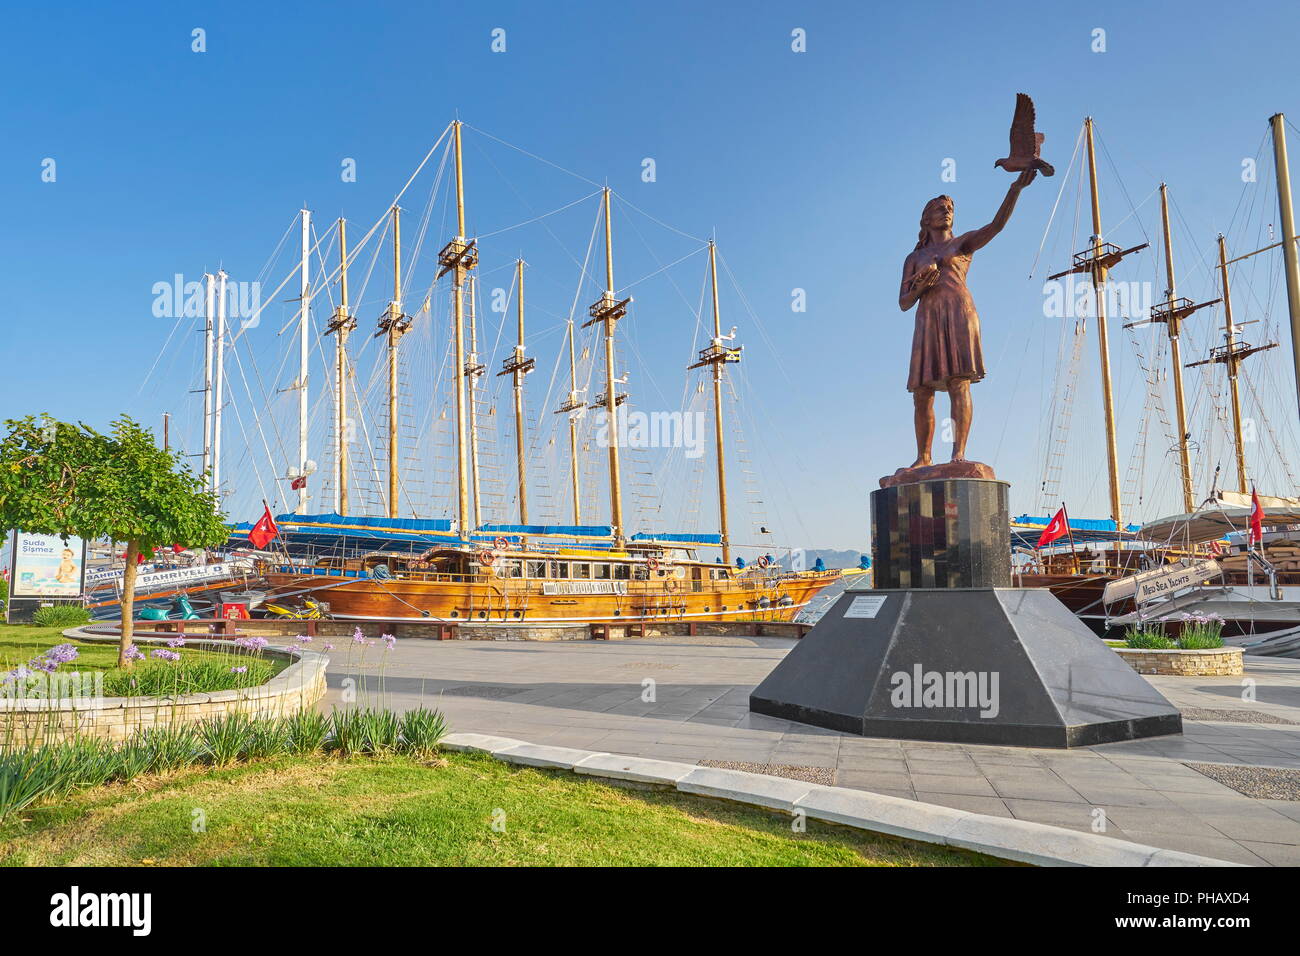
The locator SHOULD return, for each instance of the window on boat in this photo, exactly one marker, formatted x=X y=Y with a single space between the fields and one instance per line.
x=559 y=569
x=622 y=572
x=642 y=573
x=581 y=569
x=512 y=569
x=537 y=569
x=602 y=571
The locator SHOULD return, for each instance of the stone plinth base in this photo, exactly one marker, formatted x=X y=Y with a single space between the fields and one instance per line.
x=953 y=533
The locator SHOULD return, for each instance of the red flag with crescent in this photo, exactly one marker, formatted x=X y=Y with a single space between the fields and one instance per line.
x=1058 y=527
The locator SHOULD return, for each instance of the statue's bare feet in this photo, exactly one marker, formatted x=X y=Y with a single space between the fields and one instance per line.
x=958 y=457
x=921 y=462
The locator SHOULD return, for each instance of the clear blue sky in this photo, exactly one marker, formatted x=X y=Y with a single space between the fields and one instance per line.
x=812 y=168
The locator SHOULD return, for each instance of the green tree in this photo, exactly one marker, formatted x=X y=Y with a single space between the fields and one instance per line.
x=57 y=478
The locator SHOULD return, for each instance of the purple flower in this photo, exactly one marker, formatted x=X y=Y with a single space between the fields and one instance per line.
x=389 y=641
x=18 y=673
x=176 y=642
x=358 y=637
x=62 y=653
x=251 y=643
x=327 y=646
x=303 y=639
x=43 y=664
x=239 y=670
x=165 y=655
x=134 y=653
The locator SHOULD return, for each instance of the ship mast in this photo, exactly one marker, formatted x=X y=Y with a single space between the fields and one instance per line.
x=1230 y=355
x=458 y=257
x=1171 y=312
x=1096 y=261
x=394 y=324
x=219 y=383
x=518 y=366
x=341 y=324
x=573 y=406
x=303 y=355
x=209 y=293
x=718 y=355
x=608 y=310
x=473 y=369
x=1287 y=216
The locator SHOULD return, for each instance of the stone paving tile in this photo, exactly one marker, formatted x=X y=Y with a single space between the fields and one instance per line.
x=960 y=801
x=1111 y=797
x=1055 y=812
x=872 y=764
x=859 y=780
x=1160 y=821
x=1278 y=854
x=1220 y=848
x=1035 y=789
x=945 y=783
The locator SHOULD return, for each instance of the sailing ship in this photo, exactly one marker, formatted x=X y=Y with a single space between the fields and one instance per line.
x=1212 y=527
x=463 y=569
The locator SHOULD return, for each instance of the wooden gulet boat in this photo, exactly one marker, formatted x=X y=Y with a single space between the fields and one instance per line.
x=468 y=571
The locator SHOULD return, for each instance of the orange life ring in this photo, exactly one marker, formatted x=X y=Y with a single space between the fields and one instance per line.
x=652 y=563
x=502 y=543
x=671 y=585
x=487 y=558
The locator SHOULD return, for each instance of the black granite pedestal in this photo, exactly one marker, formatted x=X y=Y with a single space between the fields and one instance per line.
x=954 y=533
x=942 y=649
x=1008 y=666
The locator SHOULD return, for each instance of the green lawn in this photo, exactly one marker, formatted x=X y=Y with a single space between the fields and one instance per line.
x=203 y=670
x=401 y=811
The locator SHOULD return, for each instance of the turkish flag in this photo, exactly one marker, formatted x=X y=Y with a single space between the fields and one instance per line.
x=264 y=531
x=1058 y=527
x=1256 y=519
x=177 y=548
x=299 y=482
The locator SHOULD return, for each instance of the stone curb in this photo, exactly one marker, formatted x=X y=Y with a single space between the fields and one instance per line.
x=1018 y=840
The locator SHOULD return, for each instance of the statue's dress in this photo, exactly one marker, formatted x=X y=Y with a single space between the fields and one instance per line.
x=946 y=343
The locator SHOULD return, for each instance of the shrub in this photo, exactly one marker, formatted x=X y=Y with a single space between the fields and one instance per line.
x=1147 y=639
x=364 y=731
x=305 y=732
x=133 y=759
x=225 y=739
x=171 y=747
x=422 y=729
x=266 y=738
x=27 y=775
x=1201 y=632
x=61 y=615
x=157 y=678
x=85 y=762
x=1200 y=641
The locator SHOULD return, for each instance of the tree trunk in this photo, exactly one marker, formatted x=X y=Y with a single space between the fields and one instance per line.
x=128 y=604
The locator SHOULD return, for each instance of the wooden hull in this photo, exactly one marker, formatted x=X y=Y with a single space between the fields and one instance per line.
x=486 y=599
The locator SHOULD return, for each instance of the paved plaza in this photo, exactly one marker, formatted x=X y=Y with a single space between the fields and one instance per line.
x=590 y=695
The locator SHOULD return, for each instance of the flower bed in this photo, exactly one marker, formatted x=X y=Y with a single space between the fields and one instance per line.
x=81 y=707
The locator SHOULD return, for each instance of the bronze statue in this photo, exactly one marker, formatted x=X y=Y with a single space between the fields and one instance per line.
x=946 y=353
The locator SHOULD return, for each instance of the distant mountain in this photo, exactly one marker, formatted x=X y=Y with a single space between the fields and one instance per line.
x=804 y=560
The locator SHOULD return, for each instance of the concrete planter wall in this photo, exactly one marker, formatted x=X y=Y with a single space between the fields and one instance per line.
x=1211 y=662
x=298 y=687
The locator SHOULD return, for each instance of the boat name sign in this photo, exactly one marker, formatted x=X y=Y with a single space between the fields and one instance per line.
x=584 y=587
x=1161 y=582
